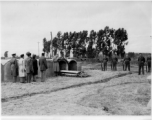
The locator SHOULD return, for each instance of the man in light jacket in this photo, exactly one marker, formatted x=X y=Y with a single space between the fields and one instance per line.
x=43 y=67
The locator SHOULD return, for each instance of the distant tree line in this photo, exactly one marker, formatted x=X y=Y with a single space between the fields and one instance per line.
x=108 y=41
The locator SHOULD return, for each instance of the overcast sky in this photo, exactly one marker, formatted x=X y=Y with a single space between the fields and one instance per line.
x=24 y=24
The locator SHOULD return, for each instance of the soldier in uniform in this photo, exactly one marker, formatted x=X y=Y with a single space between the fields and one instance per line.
x=102 y=64
x=123 y=64
x=127 y=60
x=105 y=60
x=111 y=64
x=149 y=62
x=114 y=63
x=141 y=61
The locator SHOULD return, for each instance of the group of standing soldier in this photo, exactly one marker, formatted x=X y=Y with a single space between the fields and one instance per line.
x=104 y=62
x=126 y=63
x=27 y=68
x=141 y=62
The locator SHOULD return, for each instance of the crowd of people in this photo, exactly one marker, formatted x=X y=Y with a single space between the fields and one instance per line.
x=126 y=63
x=27 y=69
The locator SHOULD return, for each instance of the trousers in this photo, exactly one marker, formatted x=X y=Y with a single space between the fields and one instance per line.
x=141 y=66
x=14 y=79
x=149 y=66
x=29 y=77
x=43 y=76
x=114 y=66
x=105 y=66
x=127 y=65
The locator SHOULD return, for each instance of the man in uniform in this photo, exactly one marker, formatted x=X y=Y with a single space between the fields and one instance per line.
x=149 y=62
x=141 y=61
x=114 y=62
x=102 y=64
x=123 y=64
x=29 y=67
x=127 y=60
x=105 y=60
x=111 y=64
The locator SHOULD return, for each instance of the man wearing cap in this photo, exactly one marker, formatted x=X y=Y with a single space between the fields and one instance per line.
x=149 y=62
x=29 y=67
x=141 y=61
x=127 y=60
x=43 y=67
x=14 y=67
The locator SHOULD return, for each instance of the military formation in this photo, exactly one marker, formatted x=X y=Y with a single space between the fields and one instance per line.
x=142 y=61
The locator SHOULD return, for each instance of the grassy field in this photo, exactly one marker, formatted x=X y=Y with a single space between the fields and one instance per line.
x=103 y=93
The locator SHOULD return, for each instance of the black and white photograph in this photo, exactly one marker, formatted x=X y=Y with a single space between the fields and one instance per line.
x=76 y=58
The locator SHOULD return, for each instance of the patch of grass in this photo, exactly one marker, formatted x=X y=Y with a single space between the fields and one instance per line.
x=123 y=99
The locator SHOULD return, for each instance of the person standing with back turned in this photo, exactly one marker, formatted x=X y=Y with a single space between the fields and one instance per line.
x=43 y=67
x=14 y=67
x=35 y=68
x=29 y=67
x=21 y=64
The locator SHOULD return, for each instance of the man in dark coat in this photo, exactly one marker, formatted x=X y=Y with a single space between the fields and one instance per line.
x=43 y=67
x=29 y=67
x=127 y=60
x=14 y=67
x=114 y=62
x=149 y=62
x=105 y=60
x=141 y=61
x=35 y=68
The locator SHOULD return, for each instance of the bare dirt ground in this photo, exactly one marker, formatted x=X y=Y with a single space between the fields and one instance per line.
x=104 y=93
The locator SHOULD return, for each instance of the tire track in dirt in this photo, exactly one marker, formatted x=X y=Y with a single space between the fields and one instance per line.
x=64 y=88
